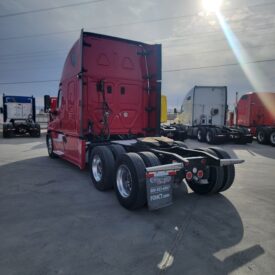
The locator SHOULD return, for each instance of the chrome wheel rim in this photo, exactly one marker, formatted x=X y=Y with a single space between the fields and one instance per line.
x=261 y=136
x=97 y=168
x=124 y=181
x=199 y=135
x=272 y=138
x=208 y=138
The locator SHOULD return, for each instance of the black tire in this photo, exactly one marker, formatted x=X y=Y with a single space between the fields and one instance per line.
x=102 y=168
x=272 y=138
x=215 y=177
x=242 y=140
x=50 y=148
x=135 y=196
x=21 y=129
x=149 y=159
x=262 y=136
x=229 y=170
x=5 y=132
x=117 y=150
x=36 y=132
x=180 y=144
x=210 y=136
x=201 y=135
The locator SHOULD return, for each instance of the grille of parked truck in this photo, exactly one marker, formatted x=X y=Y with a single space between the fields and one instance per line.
x=108 y=116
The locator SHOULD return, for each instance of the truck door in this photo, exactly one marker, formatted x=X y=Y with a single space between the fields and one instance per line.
x=58 y=124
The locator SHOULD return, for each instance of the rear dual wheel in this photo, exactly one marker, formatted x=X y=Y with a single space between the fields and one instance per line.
x=211 y=136
x=201 y=134
x=102 y=167
x=272 y=138
x=229 y=170
x=111 y=166
x=117 y=150
x=262 y=136
x=6 y=132
x=130 y=178
x=36 y=132
x=207 y=134
x=218 y=178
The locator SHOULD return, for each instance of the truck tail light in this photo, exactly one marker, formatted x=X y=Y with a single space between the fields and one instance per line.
x=172 y=173
x=150 y=175
x=200 y=174
x=203 y=161
x=189 y=175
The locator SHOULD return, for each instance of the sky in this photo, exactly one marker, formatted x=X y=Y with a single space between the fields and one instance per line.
x=234 y=48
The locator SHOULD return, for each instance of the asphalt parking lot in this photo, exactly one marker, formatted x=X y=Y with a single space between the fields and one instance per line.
x=52 y=221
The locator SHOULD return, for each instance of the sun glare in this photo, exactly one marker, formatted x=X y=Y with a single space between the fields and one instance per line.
x=211 y=5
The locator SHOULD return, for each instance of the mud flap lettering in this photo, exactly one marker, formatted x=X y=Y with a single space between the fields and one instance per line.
x=159 y=191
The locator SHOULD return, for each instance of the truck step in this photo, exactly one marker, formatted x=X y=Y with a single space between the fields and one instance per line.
x=59 y=153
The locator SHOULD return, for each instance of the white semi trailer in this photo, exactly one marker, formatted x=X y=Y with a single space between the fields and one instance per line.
x=203 y=115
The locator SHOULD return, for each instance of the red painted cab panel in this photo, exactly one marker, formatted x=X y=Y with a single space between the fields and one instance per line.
x=256 y=109
x=110 y=88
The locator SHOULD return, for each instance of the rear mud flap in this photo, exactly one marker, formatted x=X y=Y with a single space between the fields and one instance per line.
x=159 y=184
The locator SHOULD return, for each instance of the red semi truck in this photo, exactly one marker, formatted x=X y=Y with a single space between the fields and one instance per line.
x=108 y=115
x=256 y=112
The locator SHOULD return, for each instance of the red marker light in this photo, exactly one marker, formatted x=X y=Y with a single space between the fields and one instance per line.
x=150 y=175
x=203 y=161
x=189 y=175
x=172 y=173
x=200 y=174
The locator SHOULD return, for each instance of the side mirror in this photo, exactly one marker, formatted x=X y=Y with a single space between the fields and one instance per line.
x=1 y=110
x=175 y=111
x=47 y=103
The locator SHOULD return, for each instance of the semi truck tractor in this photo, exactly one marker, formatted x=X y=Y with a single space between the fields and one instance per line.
x=108 y=116
x=167 y=129
x=203 y=114
x=19 y=116
x=256 y=112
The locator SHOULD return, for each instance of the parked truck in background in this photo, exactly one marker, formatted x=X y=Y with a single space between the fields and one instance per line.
x=108 y=115
x=256 y=112
x=203 y=115
x=51 y=106
x=168 y=129
x=19 y=116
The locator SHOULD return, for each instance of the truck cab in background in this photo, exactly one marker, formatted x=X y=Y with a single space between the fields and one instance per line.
x=19 y=116
x=50 y=105
x=256 y=112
